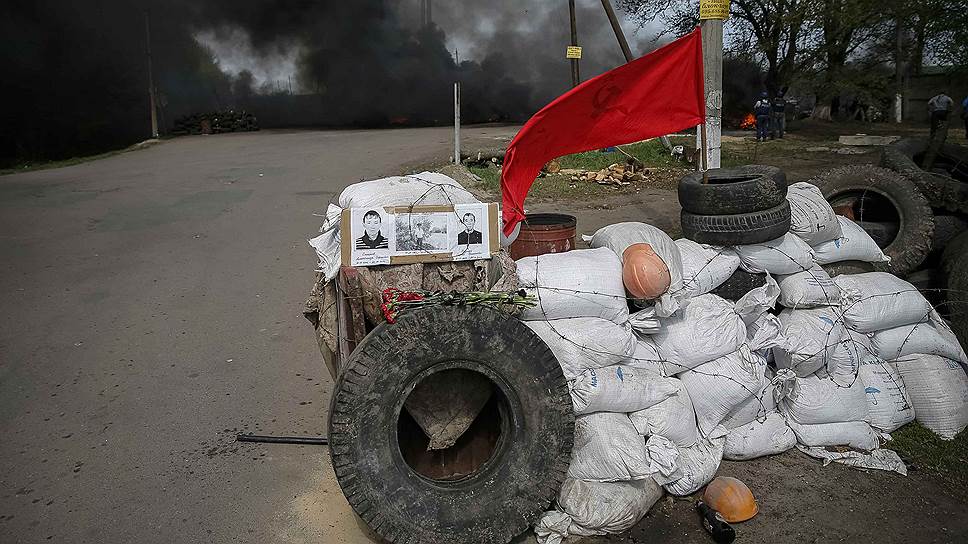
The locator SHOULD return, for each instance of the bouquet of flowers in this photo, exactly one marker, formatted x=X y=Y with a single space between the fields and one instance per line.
x=396 y=301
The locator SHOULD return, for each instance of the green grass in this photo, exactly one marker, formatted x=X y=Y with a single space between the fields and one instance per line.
x=947 y=459
x=29 y=166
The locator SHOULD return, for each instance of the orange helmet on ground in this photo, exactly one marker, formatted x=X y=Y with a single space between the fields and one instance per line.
x=731 y=498
x=644 y=273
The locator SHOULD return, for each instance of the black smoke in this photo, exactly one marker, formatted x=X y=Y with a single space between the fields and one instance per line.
x=75 y=73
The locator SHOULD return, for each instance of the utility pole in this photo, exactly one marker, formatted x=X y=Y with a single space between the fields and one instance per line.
x=151 y=81
x=456 y=109
x=575 y=74
x=617 y=29
x=898 y=70
x=712 y=13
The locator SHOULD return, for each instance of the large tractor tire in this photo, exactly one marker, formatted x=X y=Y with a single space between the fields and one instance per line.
x=944 y=191
x=954 y=267
x=877 y=195
x=494 y=482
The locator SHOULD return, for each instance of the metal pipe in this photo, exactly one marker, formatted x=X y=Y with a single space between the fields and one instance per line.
x=310 y=440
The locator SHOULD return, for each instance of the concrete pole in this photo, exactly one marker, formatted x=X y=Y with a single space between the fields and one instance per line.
x=617 y=29
x=575 y=74
x=457 y=123
x=712 y=64
x=151 y=81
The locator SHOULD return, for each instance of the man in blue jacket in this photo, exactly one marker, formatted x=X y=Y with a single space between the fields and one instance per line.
x=761 y=110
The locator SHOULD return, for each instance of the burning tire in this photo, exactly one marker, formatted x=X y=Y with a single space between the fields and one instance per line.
x=885 y=198
x=499 y=475
x=737 y=229
x=739 y=190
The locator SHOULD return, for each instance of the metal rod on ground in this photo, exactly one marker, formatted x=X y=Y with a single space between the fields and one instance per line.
x=575 y=74
x=457 y=123
x=151 y=81
x=264 y=439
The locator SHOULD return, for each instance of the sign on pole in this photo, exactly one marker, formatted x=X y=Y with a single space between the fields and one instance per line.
x=713 y=9
x=573 y=52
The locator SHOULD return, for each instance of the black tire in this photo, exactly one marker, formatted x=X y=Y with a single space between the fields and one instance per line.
x=941 y=191
x=737 y=229
x=740 y=283
x=737 y=190
x=954 y=267
x=882 y=233
x=877 y=195
x=847 y=267
x=500 y=499
x=946 y=229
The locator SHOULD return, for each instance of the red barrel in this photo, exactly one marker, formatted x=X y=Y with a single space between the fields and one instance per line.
x=544 y=233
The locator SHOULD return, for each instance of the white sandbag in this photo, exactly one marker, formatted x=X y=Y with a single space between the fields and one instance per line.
x=938 y=389
x=764 y=333
x=768 y=436
x=887 y=399
x=879 y=459
x=608 y=449
x=815 y=401
x=645 y=321
x=755 y=407
x=706 y=329
x=699 y=463
x=620 y=236
x=619 y=389
x=423 y=189
x=808 y=289
x=912 y=339
x=585 y=342
x=853 y=245
x=578 y=283
x=811 y=216
x=673 y=418
x=855 y=434
x=719 y=386
x=646 y=357
x=878 y=300
x=598 y=508
x=758 y=300
x=705 y=268
x=785 y=255
x=812 y=339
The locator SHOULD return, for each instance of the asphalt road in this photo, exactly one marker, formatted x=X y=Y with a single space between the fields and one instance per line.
x=151 y=311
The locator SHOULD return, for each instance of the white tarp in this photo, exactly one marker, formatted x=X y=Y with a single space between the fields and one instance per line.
x=879 y=459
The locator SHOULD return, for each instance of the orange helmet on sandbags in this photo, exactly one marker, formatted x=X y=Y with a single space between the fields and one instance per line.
x=644 y=273
x=731 y=498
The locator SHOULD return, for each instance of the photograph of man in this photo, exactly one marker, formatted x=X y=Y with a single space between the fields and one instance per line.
x=372 y=238
x=469 y=235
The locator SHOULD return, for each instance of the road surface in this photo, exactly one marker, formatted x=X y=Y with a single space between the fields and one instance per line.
x=151 y=311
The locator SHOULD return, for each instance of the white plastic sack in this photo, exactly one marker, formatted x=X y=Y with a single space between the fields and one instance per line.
x=879 y=459
x=764 y=333
x=423 y=189
x=578 y=283
x=812 y=339
x=768 y=436
x=912 y=339
x=785 y=255
x=598 y=508
x=706 y=329
x=607 y=449
x=887 y=399
x=645 y=321
x=673 y=418
x=811 y=217
x=938 y=389
x=878 y=300
x=758 y=300
x=853 y=245
x=326 y=244
x=815 y=401
x=757 y=406
x=808 y=289
x=705 y=268
x=619 y=389
x=699 y=463
x=855 y=434
x=719 y=386
x=585 y=342
x=620 y=236
x=646 y=357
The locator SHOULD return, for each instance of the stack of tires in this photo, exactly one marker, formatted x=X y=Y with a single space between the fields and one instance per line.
x=735 y=206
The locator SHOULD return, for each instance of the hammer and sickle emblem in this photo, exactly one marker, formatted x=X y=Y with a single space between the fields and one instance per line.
x=603 y=97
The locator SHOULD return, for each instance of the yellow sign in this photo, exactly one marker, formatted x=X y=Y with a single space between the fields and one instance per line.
x=573 y=52
x=713 y=9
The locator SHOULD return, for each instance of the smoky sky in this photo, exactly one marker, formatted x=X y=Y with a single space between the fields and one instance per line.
x=75 y=73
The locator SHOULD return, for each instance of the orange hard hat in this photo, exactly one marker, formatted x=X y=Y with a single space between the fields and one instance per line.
x=731 y=498
x=644 y=273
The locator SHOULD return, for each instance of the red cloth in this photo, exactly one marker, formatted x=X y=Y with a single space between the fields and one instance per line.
x=651 y=96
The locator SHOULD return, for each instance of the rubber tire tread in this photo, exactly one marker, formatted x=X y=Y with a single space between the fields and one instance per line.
x=847 y=267
x=740 y=283
x=737 y=229
x=913 y=242
x=954 y=267
x=946 y=229
x=941 y=191
x=507 y=500
x=766 y=190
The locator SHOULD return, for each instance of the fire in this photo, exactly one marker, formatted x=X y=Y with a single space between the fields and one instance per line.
x=399 y=120
x=748 y=122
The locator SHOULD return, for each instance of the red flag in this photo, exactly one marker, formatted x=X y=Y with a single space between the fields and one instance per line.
x=651 y=96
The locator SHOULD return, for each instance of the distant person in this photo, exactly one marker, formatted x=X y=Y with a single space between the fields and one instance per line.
x=761 y=110
x=372 y=238
x=469 y=235
x=778 y=114
x=939 y=107
x=964 y=114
